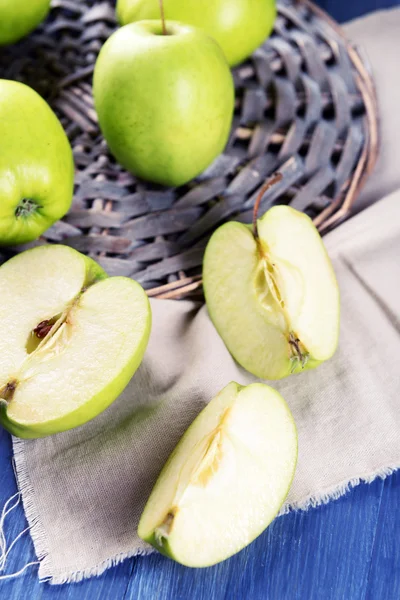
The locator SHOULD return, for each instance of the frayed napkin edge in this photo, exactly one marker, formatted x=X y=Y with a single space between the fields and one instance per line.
x=46 y=570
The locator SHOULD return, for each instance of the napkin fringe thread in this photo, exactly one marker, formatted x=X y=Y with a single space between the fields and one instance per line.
x=99 y=569
x=336 y=491
x=38 y=534
x=36 y=529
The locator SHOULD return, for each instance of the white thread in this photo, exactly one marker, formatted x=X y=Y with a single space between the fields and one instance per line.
x=98 y=569
x=37 y=531
x=4 y=513
x=4 y=559
x=4 y=551
x=13 y=575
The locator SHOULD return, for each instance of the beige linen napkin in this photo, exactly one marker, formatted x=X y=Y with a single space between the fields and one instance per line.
x=83 y=491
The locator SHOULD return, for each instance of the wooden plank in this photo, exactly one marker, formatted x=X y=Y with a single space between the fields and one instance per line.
x=344 y=11
x=109 y=586
x=384 y=572
x=26 y=586
x=323 y=553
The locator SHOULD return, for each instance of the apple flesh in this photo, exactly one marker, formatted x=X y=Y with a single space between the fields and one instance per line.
x=226 y=479
x=36 y=165
x=273 y=297
x=20 y=17
x=239 y=26
x=164 y=102
x=70 y=339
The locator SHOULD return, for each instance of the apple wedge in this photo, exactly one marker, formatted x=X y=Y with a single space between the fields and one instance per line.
x=272 y=293
x=226 y=479
x=70 y=339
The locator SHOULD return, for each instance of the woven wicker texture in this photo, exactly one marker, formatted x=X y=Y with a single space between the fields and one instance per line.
x=305 y=105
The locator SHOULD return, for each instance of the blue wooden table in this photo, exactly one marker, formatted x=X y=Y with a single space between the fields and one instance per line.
x=344 y=10
x=346 y=550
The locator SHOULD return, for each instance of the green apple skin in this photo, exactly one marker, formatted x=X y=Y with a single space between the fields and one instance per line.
x=36 y=165
x=239 y=26
x=20 y=17
x=98 y=403
x=164 y=102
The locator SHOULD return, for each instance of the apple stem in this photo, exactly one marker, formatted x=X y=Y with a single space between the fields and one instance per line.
x=275 y=178
x=164 y=29
x=299 y=355
x=7 y=392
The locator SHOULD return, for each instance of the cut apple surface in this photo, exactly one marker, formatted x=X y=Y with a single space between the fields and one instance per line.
x=226 y=479
x=71 y=339
x=272 y=295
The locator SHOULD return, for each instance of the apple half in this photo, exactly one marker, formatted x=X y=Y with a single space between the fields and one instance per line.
x=272 y=293
x=70 y=339
x=226 y=479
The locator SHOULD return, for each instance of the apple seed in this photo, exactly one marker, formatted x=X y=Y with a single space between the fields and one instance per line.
x=43 y=328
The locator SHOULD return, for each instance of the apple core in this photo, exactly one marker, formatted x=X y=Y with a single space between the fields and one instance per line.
x=270 y=298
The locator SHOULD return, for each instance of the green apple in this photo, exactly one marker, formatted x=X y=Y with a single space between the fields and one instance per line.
x=164 y=102
x=226 y=479
x=70 y=339
x=20 y=17
x=272 y=294
x=36 y=165
x=239 y=26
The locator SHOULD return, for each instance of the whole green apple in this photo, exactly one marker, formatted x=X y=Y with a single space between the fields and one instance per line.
x=164 y=102
x=20 y=17
x=36 y=165
x=70 y=339
x=239 y=26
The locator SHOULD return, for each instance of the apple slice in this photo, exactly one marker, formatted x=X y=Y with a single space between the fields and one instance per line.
x=226 y=479
x=70 y=339
x=272 y=293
